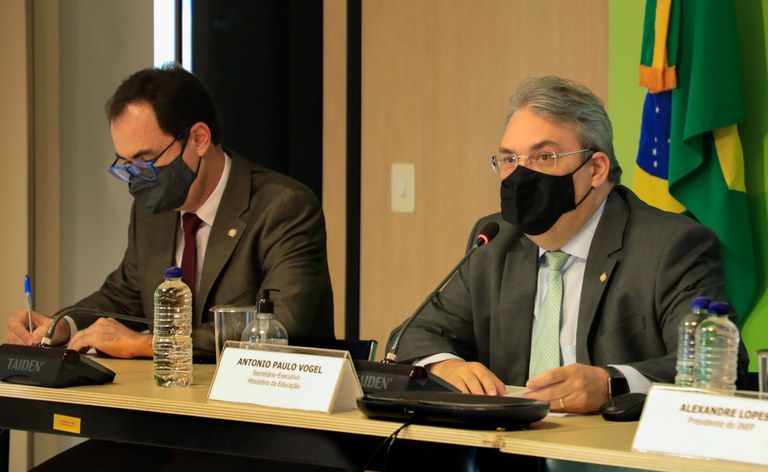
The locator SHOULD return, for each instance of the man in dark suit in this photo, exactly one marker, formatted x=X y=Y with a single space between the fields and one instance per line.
x=258 y=229
x=622 y=273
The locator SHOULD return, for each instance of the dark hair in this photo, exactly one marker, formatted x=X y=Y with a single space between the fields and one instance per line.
x=567 y=101
x=177 y=96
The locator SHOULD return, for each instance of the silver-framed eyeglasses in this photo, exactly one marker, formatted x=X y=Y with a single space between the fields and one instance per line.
x=541 y=161
x=144 y=170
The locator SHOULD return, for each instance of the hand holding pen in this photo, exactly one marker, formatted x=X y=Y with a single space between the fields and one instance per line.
x=28 y=292
x=26 y=326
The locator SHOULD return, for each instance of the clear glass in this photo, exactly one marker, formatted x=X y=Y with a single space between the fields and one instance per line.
x=541 y=161
x=762 y=370
x=230 y=323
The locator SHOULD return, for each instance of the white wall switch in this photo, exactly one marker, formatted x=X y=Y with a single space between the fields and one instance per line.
x=403 y=187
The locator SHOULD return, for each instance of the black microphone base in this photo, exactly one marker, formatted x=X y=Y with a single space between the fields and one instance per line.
x=376 y=377
x=454 y=409
x=50 y=367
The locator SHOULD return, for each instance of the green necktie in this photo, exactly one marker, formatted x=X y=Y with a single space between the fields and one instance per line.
x=545 y=346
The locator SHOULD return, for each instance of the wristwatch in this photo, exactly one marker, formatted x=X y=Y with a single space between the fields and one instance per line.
x=617 y=383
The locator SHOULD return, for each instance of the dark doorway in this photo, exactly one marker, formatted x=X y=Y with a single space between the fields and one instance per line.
x=263 y=62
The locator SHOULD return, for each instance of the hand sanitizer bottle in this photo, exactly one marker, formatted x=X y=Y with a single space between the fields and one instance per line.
x=265 y=328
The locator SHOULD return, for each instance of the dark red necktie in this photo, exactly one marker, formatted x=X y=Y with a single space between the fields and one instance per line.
x=190 y=224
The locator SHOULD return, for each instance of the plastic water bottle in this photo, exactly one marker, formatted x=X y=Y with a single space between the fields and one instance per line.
x=172 y=340
x=686 y=340
x=717 y=350
x=265 y=328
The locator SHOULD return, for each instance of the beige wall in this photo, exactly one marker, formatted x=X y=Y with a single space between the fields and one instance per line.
x=47 y=155
x=335 y=148
x=101 y=43
x=436 y=77
x=14 y=192
x=15 y=136
x=62 y=61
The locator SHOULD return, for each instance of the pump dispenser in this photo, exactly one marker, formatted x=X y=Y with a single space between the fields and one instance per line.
x=265 y=328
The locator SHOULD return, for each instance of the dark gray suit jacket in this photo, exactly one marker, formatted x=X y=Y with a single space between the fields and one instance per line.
x=269 y=232
x=653 y=264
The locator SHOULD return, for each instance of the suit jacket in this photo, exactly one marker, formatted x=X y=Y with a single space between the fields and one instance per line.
x=643 y=268
x=269 y=232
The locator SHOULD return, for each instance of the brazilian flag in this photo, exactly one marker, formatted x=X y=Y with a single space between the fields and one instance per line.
x=690 y=157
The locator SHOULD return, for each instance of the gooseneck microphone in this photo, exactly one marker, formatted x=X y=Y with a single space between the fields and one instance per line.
x=426 y=398
x=57 y=367
x=487 y=233
x=46 y=341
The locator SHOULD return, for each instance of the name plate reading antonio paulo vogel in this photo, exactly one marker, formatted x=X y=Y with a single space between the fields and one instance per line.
x=286 y=377
x=691 y=422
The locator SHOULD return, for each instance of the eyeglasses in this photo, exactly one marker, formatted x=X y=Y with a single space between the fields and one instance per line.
x=144 y=170
x=541 y=161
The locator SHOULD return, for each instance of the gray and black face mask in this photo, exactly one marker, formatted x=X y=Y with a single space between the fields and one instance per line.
x=169 y=190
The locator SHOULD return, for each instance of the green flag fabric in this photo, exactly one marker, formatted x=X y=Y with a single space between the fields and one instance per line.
x=706 y=168
x=706 y=161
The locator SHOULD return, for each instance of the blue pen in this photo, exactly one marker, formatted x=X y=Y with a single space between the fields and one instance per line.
x=28 y=292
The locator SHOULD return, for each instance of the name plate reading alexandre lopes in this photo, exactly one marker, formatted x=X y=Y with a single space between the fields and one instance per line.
x=696 y=423
x=286 y=377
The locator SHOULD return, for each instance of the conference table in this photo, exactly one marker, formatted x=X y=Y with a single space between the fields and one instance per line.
x=133 y=409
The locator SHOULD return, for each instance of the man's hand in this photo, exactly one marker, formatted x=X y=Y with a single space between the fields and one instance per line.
x=114 y=338
x=469 y=377
x=18 y=328
x=575 y=388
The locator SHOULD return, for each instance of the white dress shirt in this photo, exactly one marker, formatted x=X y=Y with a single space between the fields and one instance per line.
x=207 y=213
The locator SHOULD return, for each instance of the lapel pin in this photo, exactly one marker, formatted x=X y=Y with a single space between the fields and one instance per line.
x=603 y=278
x=232 y=232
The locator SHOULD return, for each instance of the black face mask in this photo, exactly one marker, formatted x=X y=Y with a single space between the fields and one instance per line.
x=534 y=201
x=169 y=190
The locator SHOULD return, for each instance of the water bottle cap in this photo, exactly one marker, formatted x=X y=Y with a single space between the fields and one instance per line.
x=720 y=308
x=700 y=302
x=172 y=273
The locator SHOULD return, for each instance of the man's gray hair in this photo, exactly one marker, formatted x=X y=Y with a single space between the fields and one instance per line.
x=567 y=101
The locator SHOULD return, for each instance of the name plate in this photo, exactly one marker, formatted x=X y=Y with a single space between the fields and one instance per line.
x=286 y=377
x=707 y=424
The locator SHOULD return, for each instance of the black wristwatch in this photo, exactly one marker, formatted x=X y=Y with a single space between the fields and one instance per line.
x=617 y=383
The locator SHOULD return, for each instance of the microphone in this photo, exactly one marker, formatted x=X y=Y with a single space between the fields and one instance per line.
x=46 y=341
x=46 y=366
x=489 y=231
x=422 y=401
x=389 y=376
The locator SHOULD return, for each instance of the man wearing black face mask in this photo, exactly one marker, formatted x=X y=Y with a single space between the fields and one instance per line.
x=584 y=287
x=254 y=228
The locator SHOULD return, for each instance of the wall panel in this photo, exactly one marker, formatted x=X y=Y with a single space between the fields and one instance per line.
x=334 y=148
x=436 y=78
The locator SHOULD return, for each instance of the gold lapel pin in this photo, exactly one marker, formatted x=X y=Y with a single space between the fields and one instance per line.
x=232 y=232
x=603 y=278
